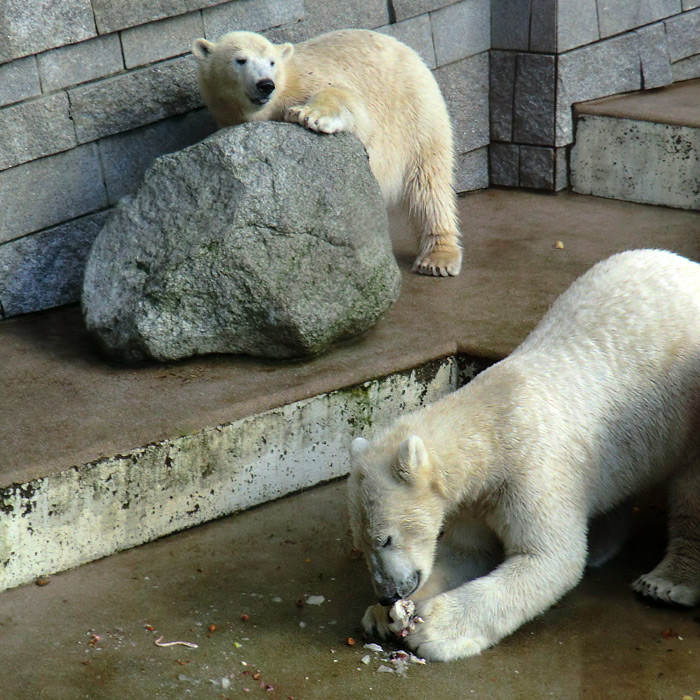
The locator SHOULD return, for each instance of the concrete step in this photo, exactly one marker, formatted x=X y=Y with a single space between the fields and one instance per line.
x=97 y=457
x=640 y=147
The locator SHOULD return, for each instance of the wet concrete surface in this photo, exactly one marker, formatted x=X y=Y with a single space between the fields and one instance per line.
x=90 y=632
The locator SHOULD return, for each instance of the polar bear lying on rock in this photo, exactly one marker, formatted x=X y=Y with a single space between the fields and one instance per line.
x=600 y=401
x=358 y=81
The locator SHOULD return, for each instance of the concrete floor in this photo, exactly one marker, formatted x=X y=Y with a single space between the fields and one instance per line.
x=90 y=632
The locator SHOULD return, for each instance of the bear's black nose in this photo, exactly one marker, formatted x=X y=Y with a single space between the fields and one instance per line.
x=265 y=86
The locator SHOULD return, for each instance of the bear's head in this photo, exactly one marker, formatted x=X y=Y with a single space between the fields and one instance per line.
x=244 y=66
x=396 y=514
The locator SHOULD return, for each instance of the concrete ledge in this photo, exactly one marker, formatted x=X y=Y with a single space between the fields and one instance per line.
x=637 y=161
x=95 y=509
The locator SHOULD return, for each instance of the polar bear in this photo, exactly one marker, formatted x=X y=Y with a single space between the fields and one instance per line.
x=477 y=508
x=358 y=81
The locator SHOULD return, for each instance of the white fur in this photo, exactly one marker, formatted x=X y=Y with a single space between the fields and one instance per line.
x=600 y=401
x=358 y=81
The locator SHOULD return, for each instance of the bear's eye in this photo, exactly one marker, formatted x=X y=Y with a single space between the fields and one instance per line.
x=387 y=542
x=241 y=61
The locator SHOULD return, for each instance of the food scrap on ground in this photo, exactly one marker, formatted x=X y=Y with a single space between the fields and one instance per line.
x=160 y=643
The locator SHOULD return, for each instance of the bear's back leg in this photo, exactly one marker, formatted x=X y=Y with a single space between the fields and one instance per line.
x=676 y=579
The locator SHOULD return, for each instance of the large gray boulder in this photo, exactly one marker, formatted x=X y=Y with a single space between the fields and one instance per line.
x=264 y=239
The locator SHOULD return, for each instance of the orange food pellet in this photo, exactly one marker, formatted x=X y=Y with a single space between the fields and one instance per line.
x=245 y=617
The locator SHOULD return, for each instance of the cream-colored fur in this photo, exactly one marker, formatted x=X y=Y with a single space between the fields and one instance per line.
x=600 y=401
x=358 y=81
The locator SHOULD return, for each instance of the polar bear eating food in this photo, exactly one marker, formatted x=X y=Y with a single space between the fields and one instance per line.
x=483 y=507
x=358 y=81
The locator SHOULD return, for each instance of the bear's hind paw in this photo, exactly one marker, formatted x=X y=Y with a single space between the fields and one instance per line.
x=443 y=261
x=657 y=587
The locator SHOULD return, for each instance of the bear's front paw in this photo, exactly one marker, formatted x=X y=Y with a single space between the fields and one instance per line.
x=439 y=636
x=443 y=261
x=376 y=622
x=315 y=119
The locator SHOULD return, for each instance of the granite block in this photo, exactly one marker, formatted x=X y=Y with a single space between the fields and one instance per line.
x=125 y=157
x=577 y=24
x=472 y=170
x=504 y=163
x=534 y=102
x=250 y=15
x=606 y=68
x=683 y=35
x=653 y=54
x=323 y=16
x=404 y=9
x=536 y=168
x=510 y=24
x=501 y=93
x=112 y=15
x=416 y=33
x=27 y=27
x=79 y=63
x=690 y=4
x=543 y=26
x=561 y=165
x=50 y=191
x=19 y=80
x=617 y=16
x=687 y=69
x=464 y=85
x=45 y=269
x=461 y=30
x=36 y=128
x=133 y=99
x=156 y=41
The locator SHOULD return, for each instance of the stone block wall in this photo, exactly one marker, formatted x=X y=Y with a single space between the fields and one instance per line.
x=550 y=54
x=92 y=91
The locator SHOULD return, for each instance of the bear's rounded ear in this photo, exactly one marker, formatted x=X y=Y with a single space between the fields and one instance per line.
x=358 y=447
x=202 y=49
x=412 y=458
x=286 y=51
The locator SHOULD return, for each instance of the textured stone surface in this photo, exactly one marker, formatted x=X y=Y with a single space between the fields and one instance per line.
x=417 y=33
x=577 y=23
x=410 y=8
x=464 y=85
x=125 y=157
x=156 y=41
x=510 y=24
x=19 y=80
x=561 y=164
x=501 y=92
x=637 y=161
x=543 y=26
x=617 y=16
x=130 y=100
x=323 y=16
x=71 y=65
x=50 y=191
x=687 y=69
x=504 y=163
x=653 y=54
x=683 y=35
x=606 y=68
x=250 y=15
x=265 y=239
x=46 y=269
x=112 y=15
x=472 y=170
x=690 y=4
x=30 y=27
x=534 y=102
x=461 y=30
x=33 y=129
x=536 y=168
